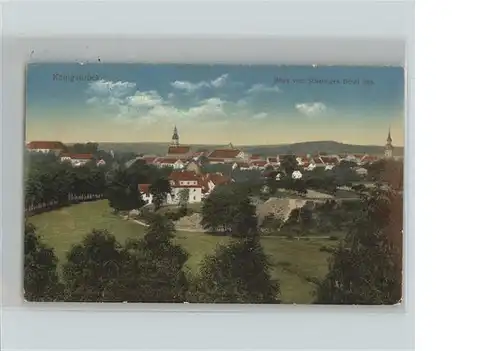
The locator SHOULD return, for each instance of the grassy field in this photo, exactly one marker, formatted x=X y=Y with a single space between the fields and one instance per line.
x=295 y=261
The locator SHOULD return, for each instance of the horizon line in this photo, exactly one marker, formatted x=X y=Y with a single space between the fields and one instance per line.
x=210 y=144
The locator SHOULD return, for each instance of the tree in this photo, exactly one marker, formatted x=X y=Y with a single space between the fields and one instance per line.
x=41 y=281
x=288 y=164
x=155 y=270
x=236 y=273
x=93 y=269
x=122 y=194
x=160 y=189
x=366 y=267
x=229 y=209
x=183 y=197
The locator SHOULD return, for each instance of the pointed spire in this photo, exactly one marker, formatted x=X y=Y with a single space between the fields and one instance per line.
x=389 y=139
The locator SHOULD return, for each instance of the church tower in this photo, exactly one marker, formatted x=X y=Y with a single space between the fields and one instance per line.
x=388 y=146
x=175 y=138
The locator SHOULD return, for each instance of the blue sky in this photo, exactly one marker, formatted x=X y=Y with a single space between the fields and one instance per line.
x=214 y=104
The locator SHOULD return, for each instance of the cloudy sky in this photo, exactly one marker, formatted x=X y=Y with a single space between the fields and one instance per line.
x=215 y=104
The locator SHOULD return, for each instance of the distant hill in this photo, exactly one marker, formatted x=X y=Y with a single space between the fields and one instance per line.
x=311 y=147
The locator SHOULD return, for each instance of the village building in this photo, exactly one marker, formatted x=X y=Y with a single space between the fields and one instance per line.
x=388 y=150
x=273 y=161
x=174 y=162
x=227 y=155
x=76 y=160
x=297 y=175
x=361 y=171
x=241 y=165
x=46 y=146
x=258 y=164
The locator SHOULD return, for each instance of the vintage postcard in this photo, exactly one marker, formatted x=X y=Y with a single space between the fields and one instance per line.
x=214 y=184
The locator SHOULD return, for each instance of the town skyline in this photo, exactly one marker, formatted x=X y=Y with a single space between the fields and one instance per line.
x=214 y=105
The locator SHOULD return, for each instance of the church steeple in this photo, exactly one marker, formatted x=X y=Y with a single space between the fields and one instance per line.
x=388 y=146
x=175 y=137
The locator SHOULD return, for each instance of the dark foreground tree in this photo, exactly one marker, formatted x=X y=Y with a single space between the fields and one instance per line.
x=240 y=271
x=93 y=269
x=366 y=268
x=41 y=282
x=155 y=270
x=236 y=273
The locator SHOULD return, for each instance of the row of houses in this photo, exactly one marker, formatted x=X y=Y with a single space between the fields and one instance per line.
x=59 y=149
x=187 y=186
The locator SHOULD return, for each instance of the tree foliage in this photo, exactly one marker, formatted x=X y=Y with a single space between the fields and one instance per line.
x=41 y=281
x=93 y=270
x=288 y=164
x=155 y=269
x=160 y=189
x=228 y=209
x=366 y=267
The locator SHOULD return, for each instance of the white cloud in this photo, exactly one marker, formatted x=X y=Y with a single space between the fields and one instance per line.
x=109 y=88
x=142 y=108
x=219 y=82
x=260 y=115
x=146 y=99
x=192 y=87
x=311 y=109
x=188 y=86
x=261 y=88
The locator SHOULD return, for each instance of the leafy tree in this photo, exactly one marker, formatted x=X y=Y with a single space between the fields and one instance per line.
x=41 y=282
x=93 y=269
x=288 y=164
x=122 y=194
x=236 y=273
x=160 y=189
x=183 y=197
x=229 y=209
x=366 y=267
x=155 y=270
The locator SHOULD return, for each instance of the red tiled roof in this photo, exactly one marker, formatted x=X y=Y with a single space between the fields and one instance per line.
x=50 y=145
x=317 y=160
x=167 y=160
x=144 y=188
x=305 y=164
x=224 y=153
x=272 y=160
x=178 y=150
x=255 y=157
x=183 y=175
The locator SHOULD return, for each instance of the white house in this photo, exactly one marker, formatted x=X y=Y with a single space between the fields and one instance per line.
x=296 y=175
x=361 y=171
x=186 y=186
x=174 y=162
x=45 y=146
x=76 y=160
